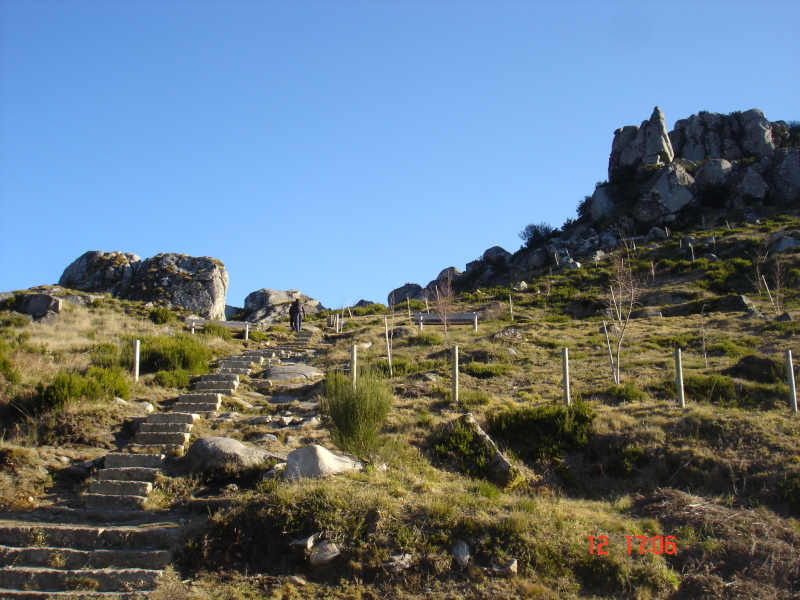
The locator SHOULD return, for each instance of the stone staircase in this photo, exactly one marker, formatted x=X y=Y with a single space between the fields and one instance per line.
x=112 y=548
x=50 y=558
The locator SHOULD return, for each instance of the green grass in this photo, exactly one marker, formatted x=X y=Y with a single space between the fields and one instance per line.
x=485 y=371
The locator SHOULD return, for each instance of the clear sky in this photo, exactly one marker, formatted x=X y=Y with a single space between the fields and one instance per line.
x=338 y=147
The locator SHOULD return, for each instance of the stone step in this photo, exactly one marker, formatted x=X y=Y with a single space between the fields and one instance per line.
x=69 y=595
x=81 y=536
x=126 y=459
x=169 y=449
x=110 y=502
x=127 y=474
x=223 y=387
x=101 y=580
x=234 y=370
x=256 y=359
x=247 y=364
x=197 y=407
x=166 y=427
x=220 y=377
x=220 y=390
x=69 y=558
x=172 y=417
x=120 y=488
x=199 y=397
x=162 y=438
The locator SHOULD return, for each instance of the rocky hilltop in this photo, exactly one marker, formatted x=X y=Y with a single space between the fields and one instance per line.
x=198 y=284
x=710 y=167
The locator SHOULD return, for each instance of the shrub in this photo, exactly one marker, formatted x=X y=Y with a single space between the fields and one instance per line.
x=68 y=387
x=171 y=353
x=484 y=371
x=161 y=315
x=354 y=416
x=107 y=355
x=547 y=431
x=469 y=398
x=403 y=365
x=14 y=320
x=212 y=329
x=460 y=444
x=113 y=381
x=536 y=234
x=172 y=379
x=7 y=369
x=789 y=491
x=258 y=336
x=627 y=392
x=709 y=388
x=425 y=338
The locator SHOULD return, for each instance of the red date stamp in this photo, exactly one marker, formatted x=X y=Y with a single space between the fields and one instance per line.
x=657 y=544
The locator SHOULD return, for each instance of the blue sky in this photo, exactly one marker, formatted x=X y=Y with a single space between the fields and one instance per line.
x=344 y=148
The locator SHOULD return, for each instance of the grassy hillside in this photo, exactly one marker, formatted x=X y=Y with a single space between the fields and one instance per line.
x=721 y=476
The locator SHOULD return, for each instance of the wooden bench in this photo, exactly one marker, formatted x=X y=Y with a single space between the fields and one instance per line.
x=452 y=319
x=247 y=326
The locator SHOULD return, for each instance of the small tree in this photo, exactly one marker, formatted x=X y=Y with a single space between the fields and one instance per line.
x=536 y=234
x=625 y=287
x=779 y=281
x=444 y=299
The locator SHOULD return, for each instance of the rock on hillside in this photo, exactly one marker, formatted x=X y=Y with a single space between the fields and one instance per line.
x=196 y=284
x=709 y=167
x=412 y=291
x=271 y=306
x=103 y=272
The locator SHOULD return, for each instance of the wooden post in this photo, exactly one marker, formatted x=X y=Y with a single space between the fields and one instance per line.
x=511 y=307
x=408 y=306
x=475 y=322
x=427 y=308
x=565 y=370
x=192 y=327
x=455 y=374
x=388 y=345
x=354 y=364
x=775 y=308
x=421 y=320
x=610 y=355
x=137 y=346
x=790 y=382
x=247 y=331
x=679 y=378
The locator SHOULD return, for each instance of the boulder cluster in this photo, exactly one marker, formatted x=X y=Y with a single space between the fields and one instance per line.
x=198 y=284
x=715 y=165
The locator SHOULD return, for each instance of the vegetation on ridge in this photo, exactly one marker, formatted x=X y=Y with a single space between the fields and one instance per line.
x=722 y=476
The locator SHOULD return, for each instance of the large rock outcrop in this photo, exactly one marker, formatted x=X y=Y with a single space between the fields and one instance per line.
x=732 y=137
x=103 y=272
x=413 y=291
x=710 y=166
x=272 y=306
x=647 y=144
x=198 y=284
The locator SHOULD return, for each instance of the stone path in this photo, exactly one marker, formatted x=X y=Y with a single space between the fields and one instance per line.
x=112 y=547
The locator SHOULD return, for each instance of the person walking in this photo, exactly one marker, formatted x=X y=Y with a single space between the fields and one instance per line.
x=296 y=314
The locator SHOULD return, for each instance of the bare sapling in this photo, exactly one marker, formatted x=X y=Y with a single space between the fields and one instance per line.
x=625 y=287
x=759 y=257
x=444 y=299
